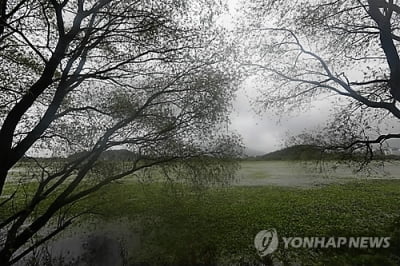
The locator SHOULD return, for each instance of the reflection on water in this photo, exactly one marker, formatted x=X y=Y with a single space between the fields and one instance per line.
x=103 y=245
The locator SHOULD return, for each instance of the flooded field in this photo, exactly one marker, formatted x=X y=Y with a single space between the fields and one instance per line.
x=302 y=174
x=146 y=225
x=277 y=173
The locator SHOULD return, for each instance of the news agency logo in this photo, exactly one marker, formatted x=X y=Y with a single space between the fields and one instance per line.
x=266 y=242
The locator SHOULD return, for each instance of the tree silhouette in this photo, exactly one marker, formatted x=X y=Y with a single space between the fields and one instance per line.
x=96 y=75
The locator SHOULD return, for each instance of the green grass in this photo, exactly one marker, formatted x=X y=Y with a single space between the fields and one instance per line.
x=219 y=225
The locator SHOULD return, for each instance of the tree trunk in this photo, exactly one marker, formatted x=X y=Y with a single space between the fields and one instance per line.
x=5 y=256
x=3 y=176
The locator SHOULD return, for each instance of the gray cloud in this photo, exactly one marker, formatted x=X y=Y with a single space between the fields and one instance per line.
x=267 y=131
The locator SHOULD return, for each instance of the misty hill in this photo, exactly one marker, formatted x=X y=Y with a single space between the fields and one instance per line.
x=297 y=152
x=122 y=155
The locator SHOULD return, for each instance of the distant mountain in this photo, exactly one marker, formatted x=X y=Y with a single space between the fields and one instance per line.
x=297 y=152
x=118 y=155
x=108 y=155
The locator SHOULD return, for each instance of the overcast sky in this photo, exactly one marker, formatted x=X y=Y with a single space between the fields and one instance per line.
x=264 y=132
x=267 y=131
